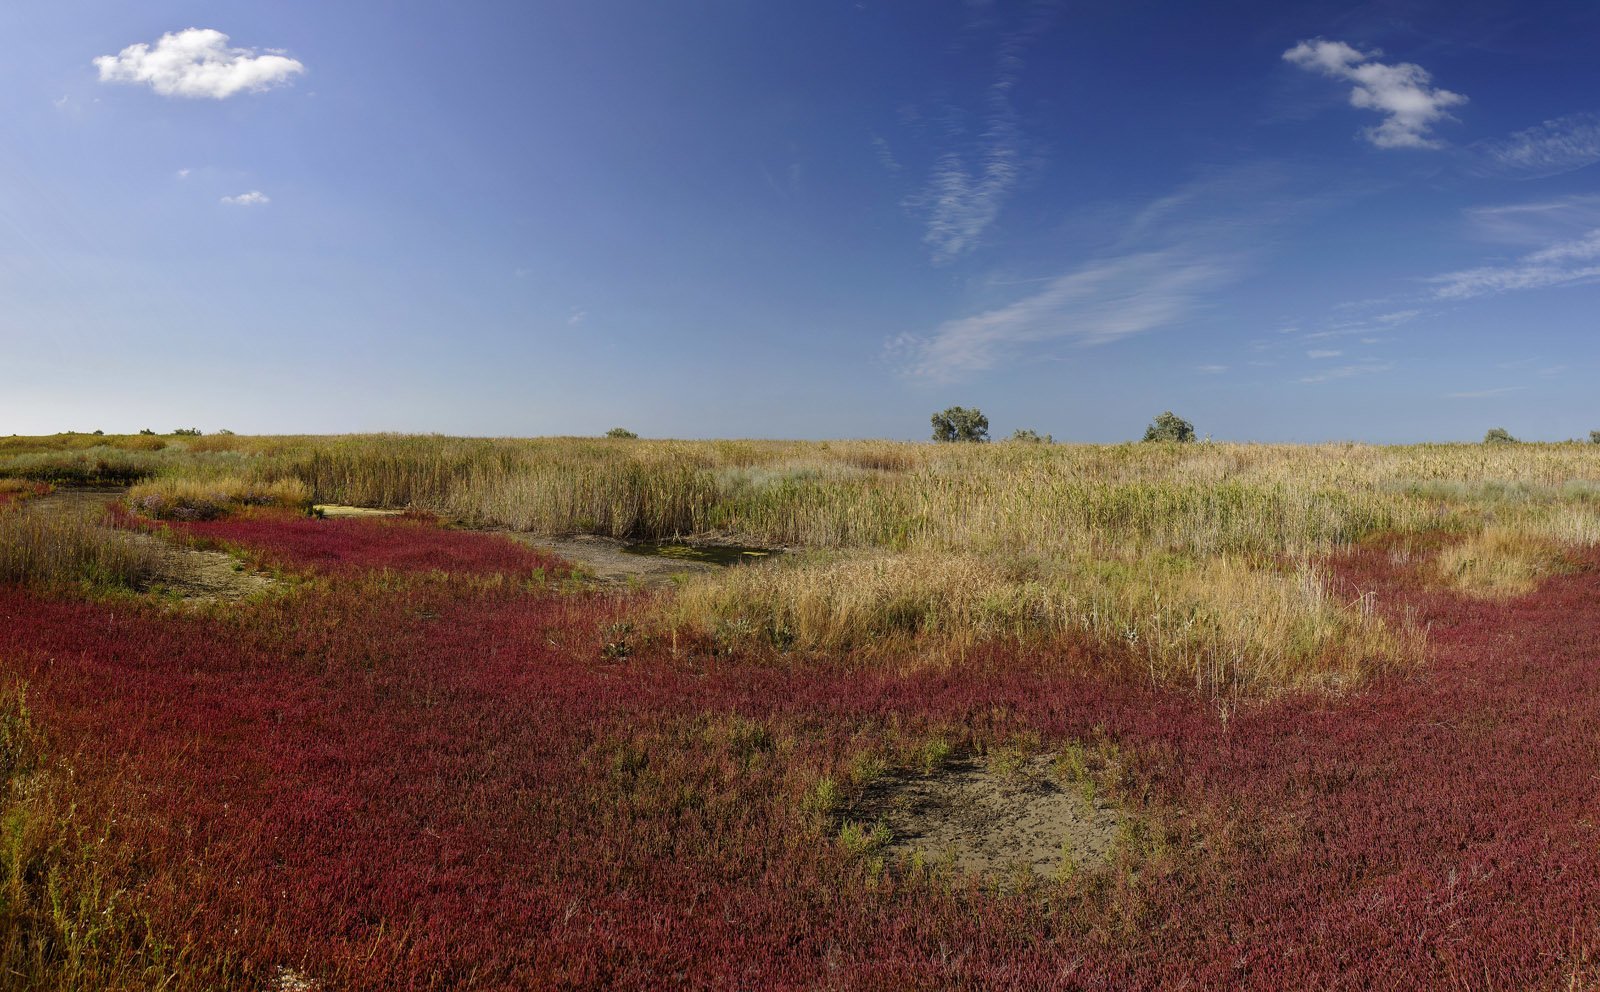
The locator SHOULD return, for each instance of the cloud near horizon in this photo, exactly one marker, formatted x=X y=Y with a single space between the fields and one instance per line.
x=197 y=63
x=1174 y=255
x=1368 y=367
x=1402 y=92
x=1100 y=302
x=1561 y=264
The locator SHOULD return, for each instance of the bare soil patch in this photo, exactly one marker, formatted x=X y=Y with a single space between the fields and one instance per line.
x=607 y=560
x=203 y=575
x=338 y=510
x=995 y=823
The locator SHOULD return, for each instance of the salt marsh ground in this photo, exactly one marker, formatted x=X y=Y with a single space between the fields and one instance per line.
x=1257 y=716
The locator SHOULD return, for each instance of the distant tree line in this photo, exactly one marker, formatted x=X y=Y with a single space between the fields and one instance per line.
x=960 y=424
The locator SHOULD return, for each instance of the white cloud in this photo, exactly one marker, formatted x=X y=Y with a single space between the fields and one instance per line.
x=197 y=62
x=964 y=194
x=1350 y=371
x=577 y=316
x=1536 y=223
x=1099 y=302
x=964 y=205
x=1560 y=264
x=1564 y=144
x=183 y=173
x=1401 y=92
x=254 y=198
x=975 y=174
x=1172 y=255
x=1315 y=353
x=885 y=155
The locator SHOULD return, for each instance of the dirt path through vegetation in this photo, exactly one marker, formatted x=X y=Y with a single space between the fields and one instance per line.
x=605 y=559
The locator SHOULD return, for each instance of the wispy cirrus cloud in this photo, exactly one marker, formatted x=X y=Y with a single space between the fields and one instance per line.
x=198 y=63
x=1102 y=301
x=1402 y=92
x=1560 y=246
x=976 y=172
x=1536 y=223
x=1349 y=371
x=1565 y=263
x=885 y=154
x=254 y=198
x=1173 y=255
x=1483 y=394
x=1552 y=148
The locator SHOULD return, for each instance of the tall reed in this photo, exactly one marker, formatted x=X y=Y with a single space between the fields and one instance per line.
x=73 y=546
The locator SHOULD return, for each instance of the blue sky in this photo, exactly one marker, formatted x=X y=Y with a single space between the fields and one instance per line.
x=1285 y=221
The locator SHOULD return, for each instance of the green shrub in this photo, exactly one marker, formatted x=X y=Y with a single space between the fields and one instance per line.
x=620 y=432
x=1168 y=426
x=1499 y=435
x=958 y=423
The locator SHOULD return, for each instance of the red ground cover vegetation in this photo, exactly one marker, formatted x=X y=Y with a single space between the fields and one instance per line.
x=14 y=491
x=409 y=543
x=437 y=783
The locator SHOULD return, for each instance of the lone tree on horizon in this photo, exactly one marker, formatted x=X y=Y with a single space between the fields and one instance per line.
x=960 y=424
x=1499 y=435
x=1169 y=427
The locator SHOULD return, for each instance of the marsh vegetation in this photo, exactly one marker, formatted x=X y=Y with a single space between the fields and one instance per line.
x=1034 y=703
